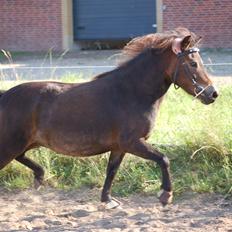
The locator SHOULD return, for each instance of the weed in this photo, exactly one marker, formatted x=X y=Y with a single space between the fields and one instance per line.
x=196 y=138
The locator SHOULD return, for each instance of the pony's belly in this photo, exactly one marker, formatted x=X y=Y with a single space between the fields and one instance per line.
x=79 y=149
x=77 y=144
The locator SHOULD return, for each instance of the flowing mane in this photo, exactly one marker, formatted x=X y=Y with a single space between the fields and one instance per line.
x=159 y=41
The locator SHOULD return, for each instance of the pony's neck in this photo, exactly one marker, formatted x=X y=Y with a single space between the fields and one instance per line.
x=146 y=75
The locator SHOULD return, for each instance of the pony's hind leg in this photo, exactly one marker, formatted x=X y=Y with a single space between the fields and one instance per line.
x=4 y=160
x=6 y=154
x=36 y=168
x=113 y=165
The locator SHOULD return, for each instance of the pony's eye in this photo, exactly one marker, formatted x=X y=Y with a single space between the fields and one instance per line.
x=193 y=64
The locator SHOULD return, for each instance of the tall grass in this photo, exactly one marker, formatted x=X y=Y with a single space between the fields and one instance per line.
x=197 y=139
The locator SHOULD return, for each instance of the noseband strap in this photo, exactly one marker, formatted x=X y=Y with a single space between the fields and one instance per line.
x=191 y=76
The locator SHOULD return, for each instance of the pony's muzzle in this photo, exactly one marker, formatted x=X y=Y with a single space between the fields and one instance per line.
x=207 y=95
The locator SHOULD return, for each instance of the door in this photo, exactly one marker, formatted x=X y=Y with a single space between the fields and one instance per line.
x=113 y=19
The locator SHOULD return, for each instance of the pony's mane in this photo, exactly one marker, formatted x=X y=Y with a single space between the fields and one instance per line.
x=159 y=41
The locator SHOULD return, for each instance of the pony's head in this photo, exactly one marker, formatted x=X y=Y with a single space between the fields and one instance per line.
x=186 y=69
x=183 y=65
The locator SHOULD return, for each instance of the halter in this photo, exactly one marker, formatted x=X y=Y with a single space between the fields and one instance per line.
x=190 y=75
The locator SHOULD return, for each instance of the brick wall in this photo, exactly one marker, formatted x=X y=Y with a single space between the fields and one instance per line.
x=30 y=25
x=212 y=19
x=36 y=25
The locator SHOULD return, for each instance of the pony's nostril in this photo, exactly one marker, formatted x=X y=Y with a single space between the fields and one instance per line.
x=215 y=94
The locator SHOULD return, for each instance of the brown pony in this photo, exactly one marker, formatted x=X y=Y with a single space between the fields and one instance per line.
x=114 y=112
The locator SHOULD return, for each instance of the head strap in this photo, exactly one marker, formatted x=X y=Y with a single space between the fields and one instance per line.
x=179 y=56
x=187 y=52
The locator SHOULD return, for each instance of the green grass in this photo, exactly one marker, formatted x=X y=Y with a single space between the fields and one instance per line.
x=197 y=139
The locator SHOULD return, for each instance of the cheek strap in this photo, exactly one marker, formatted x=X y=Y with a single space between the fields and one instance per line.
x=190 y=75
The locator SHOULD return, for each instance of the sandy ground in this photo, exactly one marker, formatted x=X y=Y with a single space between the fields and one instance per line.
x=55 y=211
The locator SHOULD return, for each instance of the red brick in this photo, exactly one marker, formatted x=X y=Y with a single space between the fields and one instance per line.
x=35 y=25
x=210 y=19
x=30 y=25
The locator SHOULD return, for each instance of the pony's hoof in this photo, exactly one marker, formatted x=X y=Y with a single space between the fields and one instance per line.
x=165 y=197
x=37 y=184
x=113 y=204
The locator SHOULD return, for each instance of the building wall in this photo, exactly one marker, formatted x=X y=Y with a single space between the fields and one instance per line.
x=30 y=25
x=40 y=25
x=211 y=19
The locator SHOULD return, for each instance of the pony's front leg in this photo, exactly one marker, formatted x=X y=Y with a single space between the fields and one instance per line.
x=142 y=149
x=113 y=165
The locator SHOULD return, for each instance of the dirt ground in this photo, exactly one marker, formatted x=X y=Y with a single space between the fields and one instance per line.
x=80 y=210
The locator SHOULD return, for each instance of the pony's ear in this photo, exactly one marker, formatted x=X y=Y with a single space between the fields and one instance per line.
x=180 y=44
x=198 y=40
x=176 y=45
x=185 y=42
